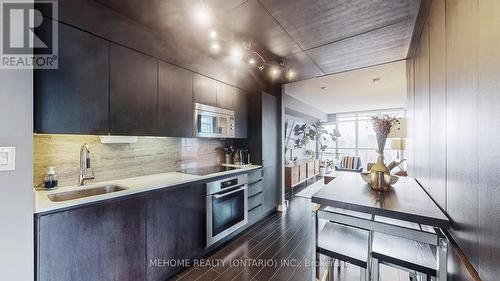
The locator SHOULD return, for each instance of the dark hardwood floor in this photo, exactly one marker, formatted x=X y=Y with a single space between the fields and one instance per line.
x=276 y=249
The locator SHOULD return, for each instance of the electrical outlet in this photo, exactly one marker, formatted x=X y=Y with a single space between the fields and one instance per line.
x=7 y=158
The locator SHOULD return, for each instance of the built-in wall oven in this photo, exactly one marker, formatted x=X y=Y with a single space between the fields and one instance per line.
x=212 y=122
x=227 y=207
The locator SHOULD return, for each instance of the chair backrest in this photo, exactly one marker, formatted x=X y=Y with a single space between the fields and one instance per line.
x=350 y=162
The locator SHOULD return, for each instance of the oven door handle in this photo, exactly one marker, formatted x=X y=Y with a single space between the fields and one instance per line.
x=217 y=196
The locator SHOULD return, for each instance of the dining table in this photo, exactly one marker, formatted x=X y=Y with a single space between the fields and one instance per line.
x=406 y=211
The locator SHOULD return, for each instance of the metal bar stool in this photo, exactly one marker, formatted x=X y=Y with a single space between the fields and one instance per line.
x=417 y=258
x=344 y=243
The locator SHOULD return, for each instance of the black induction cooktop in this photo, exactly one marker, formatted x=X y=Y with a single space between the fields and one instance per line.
x=203 y=171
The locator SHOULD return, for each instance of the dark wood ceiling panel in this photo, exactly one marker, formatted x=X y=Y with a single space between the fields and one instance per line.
x=315 y=23
x=336 y=34
x=251 y=22
x=303 y=66
x=236 y=21
x=222 y=6
x=376 y=47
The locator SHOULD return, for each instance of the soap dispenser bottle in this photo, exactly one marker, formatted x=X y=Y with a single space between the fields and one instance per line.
x=50 y=181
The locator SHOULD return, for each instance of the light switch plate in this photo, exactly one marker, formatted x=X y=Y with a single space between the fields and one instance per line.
x=7 y=158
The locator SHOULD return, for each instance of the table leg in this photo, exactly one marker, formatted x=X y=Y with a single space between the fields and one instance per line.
x=331 y=268
x=369 y=264
x=442 y=257
x=314 y=245
x=375 y=270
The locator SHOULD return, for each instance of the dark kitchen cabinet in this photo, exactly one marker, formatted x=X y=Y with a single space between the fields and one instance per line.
x=270 y=152
x=254 y=196
x=232 y=98
x=175 y=227
x=204 y=90
x=226 y=96
x=263 y=145
x=133 y=92
x=175 y=101
x=73 y=99
x=99 y=242
x=241 y=114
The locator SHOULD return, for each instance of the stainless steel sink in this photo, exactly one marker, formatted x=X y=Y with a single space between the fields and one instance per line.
x=91 y=191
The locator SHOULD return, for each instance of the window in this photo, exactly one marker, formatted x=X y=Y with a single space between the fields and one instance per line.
x=357 y=136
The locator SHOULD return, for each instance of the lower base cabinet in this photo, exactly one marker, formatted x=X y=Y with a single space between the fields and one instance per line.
x=149 y=236
x=255 y=196
x=106 y=241
x=175 y=229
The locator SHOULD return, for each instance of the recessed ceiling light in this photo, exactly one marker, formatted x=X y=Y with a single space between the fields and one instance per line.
x=202 y=16
x=215 y=46
x=236 y=54
x=213 y=34
x=324 y=88
x=376 y=80
x=252 y=61
x=291 y=74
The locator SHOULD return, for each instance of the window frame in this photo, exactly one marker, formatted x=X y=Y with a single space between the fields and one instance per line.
x=364 y=115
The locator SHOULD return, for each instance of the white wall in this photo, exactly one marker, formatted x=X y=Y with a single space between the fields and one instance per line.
x=294 y=105
x=16 y=193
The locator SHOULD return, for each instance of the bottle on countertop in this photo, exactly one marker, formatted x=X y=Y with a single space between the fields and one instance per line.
x=50 y=180
x=236 y=158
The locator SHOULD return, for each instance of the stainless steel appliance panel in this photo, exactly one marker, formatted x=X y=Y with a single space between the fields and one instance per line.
x=213 y=122
x=227 y=207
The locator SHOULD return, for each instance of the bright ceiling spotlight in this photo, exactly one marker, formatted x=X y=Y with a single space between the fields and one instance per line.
x=202 y=16
x=275 y=72
x=236 y=54
x=252 y=61
x=213 y=34
x=291 y=74
x=215 y=46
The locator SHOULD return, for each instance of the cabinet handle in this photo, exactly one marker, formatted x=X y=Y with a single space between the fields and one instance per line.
x=217 y=196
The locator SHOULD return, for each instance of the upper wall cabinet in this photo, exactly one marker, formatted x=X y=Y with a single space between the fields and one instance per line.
x=204 y=90
x=103 y=88
x=241 y=113
x=73 y=99
x=226 y=96
x=133 y=92
x=232 y=98
x=175 y=101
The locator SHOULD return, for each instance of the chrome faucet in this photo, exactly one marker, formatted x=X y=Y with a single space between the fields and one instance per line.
x=86 y=173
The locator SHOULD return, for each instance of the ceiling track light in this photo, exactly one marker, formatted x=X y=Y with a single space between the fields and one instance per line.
x=243 y=52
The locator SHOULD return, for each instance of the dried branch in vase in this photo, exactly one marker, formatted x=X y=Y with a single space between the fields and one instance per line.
x=383 y=124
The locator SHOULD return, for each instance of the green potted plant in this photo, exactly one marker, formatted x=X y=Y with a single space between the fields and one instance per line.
x=329 y=165
x=316 y=132
x=323 y=138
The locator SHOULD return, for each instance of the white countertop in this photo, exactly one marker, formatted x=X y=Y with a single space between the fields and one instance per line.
x=133 y=185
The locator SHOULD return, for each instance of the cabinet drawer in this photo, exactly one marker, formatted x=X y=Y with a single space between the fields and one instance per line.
x=254 y=176
x=254 y=201
x=255 y=214
x=254 y=188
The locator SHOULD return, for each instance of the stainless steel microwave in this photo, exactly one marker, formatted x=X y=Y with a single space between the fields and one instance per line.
x=212 y=122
